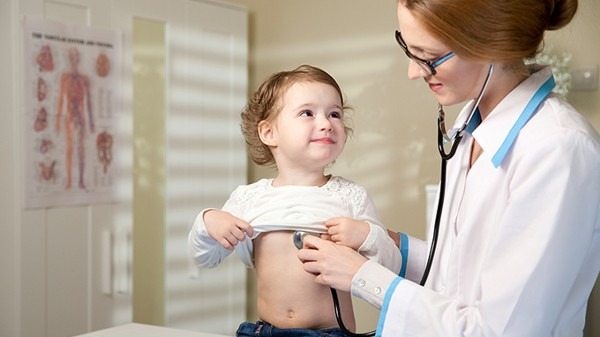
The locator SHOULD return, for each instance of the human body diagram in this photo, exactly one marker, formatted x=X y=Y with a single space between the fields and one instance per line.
x=74 y=97
x=71 y=105
x=71 y=132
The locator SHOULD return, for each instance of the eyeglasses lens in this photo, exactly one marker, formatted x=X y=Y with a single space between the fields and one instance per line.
x=427 y=68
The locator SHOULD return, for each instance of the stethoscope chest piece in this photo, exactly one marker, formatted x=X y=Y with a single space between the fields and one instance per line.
x=298 y=238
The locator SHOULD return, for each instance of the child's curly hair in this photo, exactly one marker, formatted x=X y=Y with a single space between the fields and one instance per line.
x=265 y=105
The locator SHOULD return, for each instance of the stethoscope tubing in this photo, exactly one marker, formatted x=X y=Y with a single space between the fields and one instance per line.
x=442 y=137
x=338 y=317
x=440 y=205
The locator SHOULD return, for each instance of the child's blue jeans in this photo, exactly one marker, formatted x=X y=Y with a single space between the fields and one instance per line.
x=264 y=329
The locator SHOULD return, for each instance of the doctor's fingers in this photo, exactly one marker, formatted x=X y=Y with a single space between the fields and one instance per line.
x=339 y=283
x=307 y=255
x=325 y=278
x=326 y=270
x=314 y=242
x=311 y=260
x=317 y=249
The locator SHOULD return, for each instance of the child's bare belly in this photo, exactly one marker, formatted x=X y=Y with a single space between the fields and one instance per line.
x=288 y=296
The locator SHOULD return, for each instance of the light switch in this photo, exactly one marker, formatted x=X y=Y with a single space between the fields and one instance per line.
x=584 y=79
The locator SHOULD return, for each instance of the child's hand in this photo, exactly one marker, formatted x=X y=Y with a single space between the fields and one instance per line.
x=225 y=228
x=347 y=231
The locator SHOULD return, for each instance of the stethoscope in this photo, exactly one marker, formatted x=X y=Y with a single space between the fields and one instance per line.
x=455 y=138
x=443 y=139
x=298 y=239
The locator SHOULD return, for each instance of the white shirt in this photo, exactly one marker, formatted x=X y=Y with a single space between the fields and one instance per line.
x=292 y=208
x=519 y=248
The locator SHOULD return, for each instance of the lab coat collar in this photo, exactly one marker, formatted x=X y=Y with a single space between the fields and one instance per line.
x=494 y=130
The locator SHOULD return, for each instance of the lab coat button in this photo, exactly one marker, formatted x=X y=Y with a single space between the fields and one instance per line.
x=361 y=283
x=377 y=290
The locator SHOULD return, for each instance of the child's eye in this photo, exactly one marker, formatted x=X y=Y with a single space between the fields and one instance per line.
x=336 y=114
x=307 y=113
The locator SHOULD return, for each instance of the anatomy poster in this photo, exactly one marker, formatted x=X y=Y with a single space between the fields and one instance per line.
x=71 y=106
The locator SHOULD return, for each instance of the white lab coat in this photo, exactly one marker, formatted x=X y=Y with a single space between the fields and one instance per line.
x=519 y=248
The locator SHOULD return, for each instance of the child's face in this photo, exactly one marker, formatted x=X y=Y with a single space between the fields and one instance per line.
x=309 y=130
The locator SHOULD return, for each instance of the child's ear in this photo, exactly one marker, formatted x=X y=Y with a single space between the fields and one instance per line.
x=266 y=133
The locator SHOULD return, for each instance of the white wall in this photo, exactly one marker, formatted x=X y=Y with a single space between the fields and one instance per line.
x=9 y=276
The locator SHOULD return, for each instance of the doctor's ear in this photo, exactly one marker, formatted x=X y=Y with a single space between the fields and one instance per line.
x=266 y=133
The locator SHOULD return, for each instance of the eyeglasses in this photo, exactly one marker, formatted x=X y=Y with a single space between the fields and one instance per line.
x=426 y=65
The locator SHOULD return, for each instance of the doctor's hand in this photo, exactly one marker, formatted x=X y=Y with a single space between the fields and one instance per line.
x=226 y=229
x=332 y=264
x=347 y=231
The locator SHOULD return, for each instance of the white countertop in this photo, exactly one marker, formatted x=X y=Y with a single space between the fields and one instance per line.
x=143 y=330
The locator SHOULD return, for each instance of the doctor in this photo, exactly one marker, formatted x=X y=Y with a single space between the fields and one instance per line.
x=518 y=249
